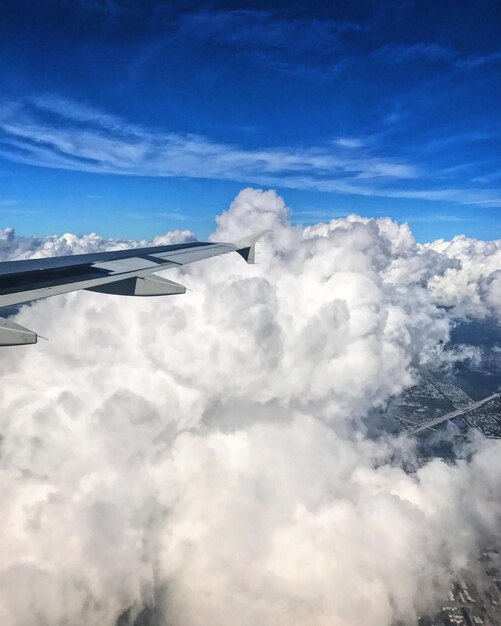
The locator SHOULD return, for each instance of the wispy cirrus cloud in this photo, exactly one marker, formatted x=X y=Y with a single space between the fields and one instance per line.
x=7 y=202
x=264 y=37
x=323 y=47
x=433 y=52
x=349 y=142
x=54 y=132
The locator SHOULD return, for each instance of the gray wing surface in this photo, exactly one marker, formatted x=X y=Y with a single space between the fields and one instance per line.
x=121 y=272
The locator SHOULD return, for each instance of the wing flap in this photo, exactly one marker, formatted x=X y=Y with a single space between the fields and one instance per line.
x=126 y=265
x=136 y=286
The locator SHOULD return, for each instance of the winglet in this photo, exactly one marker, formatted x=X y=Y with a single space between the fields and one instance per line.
x=246 y=247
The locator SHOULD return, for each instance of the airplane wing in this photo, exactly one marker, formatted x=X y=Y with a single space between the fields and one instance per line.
x=121 y=272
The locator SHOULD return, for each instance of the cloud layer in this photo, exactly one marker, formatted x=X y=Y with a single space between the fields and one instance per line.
x=204 y=455
x=473 y=285
x=58 y=133
x=15 y=247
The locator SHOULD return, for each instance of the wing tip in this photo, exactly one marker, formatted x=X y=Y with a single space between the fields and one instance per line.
x=246 y=247
x=12 y=334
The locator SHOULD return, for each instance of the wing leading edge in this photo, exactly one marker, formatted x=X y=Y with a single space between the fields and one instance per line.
x=121 y=272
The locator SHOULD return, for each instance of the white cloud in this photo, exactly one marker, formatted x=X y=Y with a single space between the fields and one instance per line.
x=85 y=139
x=201 y=453
x=262 y=38
x=471 y=286
x=54 y=132
x=349 y=142
x=7 y=203
x=15 y=247
x=395 y=54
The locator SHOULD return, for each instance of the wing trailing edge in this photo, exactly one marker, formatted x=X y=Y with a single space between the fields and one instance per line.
x=137 y=286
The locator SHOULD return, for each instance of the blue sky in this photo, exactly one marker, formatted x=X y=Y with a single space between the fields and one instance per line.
x=132 y=118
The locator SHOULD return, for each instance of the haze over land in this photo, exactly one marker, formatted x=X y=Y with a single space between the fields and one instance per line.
x=206 y=455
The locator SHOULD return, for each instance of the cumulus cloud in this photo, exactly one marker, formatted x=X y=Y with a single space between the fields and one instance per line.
x=15 y=247
x=471 y=285
x=203 y=454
